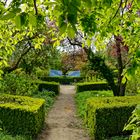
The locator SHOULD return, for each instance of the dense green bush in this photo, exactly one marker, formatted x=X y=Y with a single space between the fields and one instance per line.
x=107 y=116
x=17 y=84
x=21 y=115
x=41 y=72
x=81 y=98
x=88 y=86
x=49 y=86
x=63 y=79
x=48 y=96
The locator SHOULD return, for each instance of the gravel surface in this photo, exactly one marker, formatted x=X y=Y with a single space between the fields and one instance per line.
x=61 y=122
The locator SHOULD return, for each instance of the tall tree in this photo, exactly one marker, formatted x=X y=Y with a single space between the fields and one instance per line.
x=98 y=18
x=73 y=60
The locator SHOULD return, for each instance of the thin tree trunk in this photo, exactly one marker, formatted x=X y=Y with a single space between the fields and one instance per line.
x=120 y=86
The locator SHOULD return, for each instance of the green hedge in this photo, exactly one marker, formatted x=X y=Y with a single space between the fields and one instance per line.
x=63 y=79
x=81 y=98
x=21 y=115
x=88 y=86
x=50 y=86
x=107 y=116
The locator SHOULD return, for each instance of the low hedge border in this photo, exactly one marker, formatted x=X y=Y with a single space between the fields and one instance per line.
x=50 y=86
x=21 y=115
x=106 y=116
x=63 y=80
x=88 y=86
x=81 y=98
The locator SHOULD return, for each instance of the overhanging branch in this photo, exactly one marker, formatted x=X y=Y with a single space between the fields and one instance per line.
x=10 y=69
x=35 y=7
x=121 y=1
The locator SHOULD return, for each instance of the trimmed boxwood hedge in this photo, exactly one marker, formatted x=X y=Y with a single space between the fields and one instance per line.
x=62 y=79
x=107 y=116
x=50 y=86
x=82 y=97
x=88 y=86
x=21 y=115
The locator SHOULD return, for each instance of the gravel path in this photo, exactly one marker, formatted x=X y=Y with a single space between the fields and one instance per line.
x=61 y=122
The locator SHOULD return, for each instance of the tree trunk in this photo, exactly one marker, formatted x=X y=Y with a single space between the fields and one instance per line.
x=120 y=86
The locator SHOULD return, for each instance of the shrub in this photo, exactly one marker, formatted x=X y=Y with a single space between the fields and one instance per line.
x=49 y=86
x=87 y=86
x=41 y=72
x=21 y=115
x=63 y=79
x=17 y=84
x=83 y=96
x=107 y=116
x=48 y=96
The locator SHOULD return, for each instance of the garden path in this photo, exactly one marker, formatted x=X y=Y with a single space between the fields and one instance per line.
x=62 y=122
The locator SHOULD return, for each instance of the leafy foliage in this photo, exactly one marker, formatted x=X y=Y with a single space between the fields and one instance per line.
x=106 y=18
x=32 y=59
x=17 y=84
x=98 y=64
x=133 y=124
x=133 y=85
